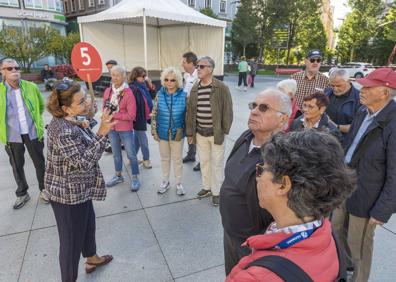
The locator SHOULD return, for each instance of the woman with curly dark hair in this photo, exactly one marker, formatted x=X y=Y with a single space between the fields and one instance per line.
x=302 y=180
x=73 y=177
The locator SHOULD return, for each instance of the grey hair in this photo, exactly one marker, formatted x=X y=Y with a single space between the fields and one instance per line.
x=284 y=100
x=339 y=73
x=119 y=69
x=8 y=60
x=209 y=59
x=392 y=92
x=314 y=162
x=176 y=72
x=287 y=86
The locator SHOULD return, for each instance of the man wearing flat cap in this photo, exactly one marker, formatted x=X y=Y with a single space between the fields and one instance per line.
x=310 y=80
x=370 y=149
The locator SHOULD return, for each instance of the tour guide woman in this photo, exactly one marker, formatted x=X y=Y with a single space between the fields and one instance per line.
x=303 y=178
x=73 y=177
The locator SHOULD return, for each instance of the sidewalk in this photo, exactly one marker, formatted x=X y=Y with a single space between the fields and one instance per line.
x=152 y=237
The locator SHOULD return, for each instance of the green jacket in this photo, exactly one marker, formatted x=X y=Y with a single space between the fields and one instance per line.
x=34 y=102
x=222 y=113
x=243 y=66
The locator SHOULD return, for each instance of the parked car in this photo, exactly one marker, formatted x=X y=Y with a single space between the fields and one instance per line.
x=356 y=70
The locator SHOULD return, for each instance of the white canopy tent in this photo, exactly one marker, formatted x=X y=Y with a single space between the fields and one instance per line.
x=153 y=34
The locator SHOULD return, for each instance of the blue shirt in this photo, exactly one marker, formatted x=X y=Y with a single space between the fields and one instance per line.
x=13 y=125
x=362 y=130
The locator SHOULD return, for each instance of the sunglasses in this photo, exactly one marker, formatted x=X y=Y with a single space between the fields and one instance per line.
x=171 y=80
x=262 y=107
x=260 y=169
x=318 y=60
x=12 y=68
x=202 y=66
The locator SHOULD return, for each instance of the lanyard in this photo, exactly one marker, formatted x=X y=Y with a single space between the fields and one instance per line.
x=294 y=239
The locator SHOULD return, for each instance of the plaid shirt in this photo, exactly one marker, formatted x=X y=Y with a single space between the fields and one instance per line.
x=307 y=86
x=72 y=173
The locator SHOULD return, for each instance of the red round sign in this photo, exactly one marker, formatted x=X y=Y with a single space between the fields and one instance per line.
x=86 y=62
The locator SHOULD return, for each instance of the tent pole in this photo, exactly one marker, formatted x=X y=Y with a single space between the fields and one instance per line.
x=145 y=38
x=123 y=45
x=222 y=53
x=159 y=45
x=81 y=33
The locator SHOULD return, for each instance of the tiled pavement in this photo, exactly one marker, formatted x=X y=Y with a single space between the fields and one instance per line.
x=152 y=237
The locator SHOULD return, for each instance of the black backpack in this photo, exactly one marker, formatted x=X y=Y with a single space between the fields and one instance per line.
x=291 y=272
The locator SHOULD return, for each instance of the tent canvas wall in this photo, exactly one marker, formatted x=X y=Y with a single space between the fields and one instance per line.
x=153 y=34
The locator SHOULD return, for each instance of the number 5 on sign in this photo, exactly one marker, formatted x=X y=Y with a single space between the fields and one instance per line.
x=84 y=54
x=86 y=62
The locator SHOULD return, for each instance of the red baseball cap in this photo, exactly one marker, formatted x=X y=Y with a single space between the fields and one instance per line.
x=380 y=77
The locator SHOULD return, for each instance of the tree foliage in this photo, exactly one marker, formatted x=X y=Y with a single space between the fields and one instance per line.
x=209 y=12
x=367 y=33
x=28 y=46
x=243 y=30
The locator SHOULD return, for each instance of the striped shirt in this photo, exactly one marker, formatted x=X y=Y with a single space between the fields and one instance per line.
x=306 y=86
x=204 y=110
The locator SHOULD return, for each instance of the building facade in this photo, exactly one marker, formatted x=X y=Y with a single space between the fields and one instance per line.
x=27 y=14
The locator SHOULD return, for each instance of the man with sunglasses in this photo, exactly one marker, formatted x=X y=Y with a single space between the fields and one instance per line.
x=240 y=212
x=310 y=80
x=21 y=125
x=209 y=119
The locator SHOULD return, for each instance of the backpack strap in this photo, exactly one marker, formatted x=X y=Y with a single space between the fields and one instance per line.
x=283 y=267
x=342 y=271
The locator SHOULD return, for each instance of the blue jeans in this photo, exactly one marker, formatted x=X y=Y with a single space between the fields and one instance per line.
x=127 y=138
x=142 y=142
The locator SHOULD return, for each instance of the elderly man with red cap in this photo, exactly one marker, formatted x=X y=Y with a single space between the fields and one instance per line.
x=370 y=149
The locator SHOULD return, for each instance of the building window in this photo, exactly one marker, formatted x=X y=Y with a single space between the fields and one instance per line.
x=72 y=6
x=191 y=3
x=208 y=3
x=223 y=6
x=81 y=4
x=101 y=2
x=65 y=6
x=10 y=3
x=34 y=4
x=51 y=5
x=91 y=3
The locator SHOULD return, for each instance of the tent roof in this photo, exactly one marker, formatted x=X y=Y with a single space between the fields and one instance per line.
x=158 y=13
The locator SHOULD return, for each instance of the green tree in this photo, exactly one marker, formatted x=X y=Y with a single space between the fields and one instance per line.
x=69 y=41
x=209 y=12
x=243 y=30
x=28 y=46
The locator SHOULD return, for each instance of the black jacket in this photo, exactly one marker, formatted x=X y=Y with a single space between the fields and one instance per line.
x=375 y=162
x=240 y=211
x=325 y=124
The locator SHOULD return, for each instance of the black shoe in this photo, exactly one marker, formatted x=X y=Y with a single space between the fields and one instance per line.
x=215 y=200
x=204 y=193
x=21 y=201
x=187 y=159
x=122 y=147
x=350 y=268
x=108 y=149
x=197 y=167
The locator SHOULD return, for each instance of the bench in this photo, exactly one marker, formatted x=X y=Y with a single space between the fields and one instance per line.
x=284 y=71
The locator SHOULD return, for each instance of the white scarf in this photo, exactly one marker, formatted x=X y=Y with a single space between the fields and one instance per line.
x=115 y=93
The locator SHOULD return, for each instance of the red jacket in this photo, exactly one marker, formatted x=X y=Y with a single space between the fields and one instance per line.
x=127 y=112
x=293 y=114
x=316 y=255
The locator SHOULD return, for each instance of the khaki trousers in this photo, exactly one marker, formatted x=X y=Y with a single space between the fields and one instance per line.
x=339 y=222
x=211 y=157
x=360 y=241
x=171 y=150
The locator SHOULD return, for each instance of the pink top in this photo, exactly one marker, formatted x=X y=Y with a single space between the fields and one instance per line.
x=127 y=112
x=316 y=255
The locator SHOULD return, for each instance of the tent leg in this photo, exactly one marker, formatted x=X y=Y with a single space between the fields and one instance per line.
x=145 y=39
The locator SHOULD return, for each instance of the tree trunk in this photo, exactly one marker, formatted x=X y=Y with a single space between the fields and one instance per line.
x=390 y=59
x=244 y=49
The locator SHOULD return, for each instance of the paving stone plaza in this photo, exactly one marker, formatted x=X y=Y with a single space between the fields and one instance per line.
x=152 y=237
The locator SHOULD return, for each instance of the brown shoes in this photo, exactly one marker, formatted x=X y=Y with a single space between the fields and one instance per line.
x=91 y=267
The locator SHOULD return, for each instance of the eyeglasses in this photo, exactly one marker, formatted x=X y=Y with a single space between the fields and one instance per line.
x=202 y=66
x=262 y=107
x=171 y=80
x=12 y=68
x=260 y=169
x=318 y=60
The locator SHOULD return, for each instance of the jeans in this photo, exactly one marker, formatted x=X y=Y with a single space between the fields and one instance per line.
x=142 y=142
x=127 y=138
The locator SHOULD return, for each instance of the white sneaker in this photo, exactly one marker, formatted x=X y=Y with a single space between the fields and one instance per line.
x=238 y=87
x=163 y=187
x=180 y=190
x=245 y=89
